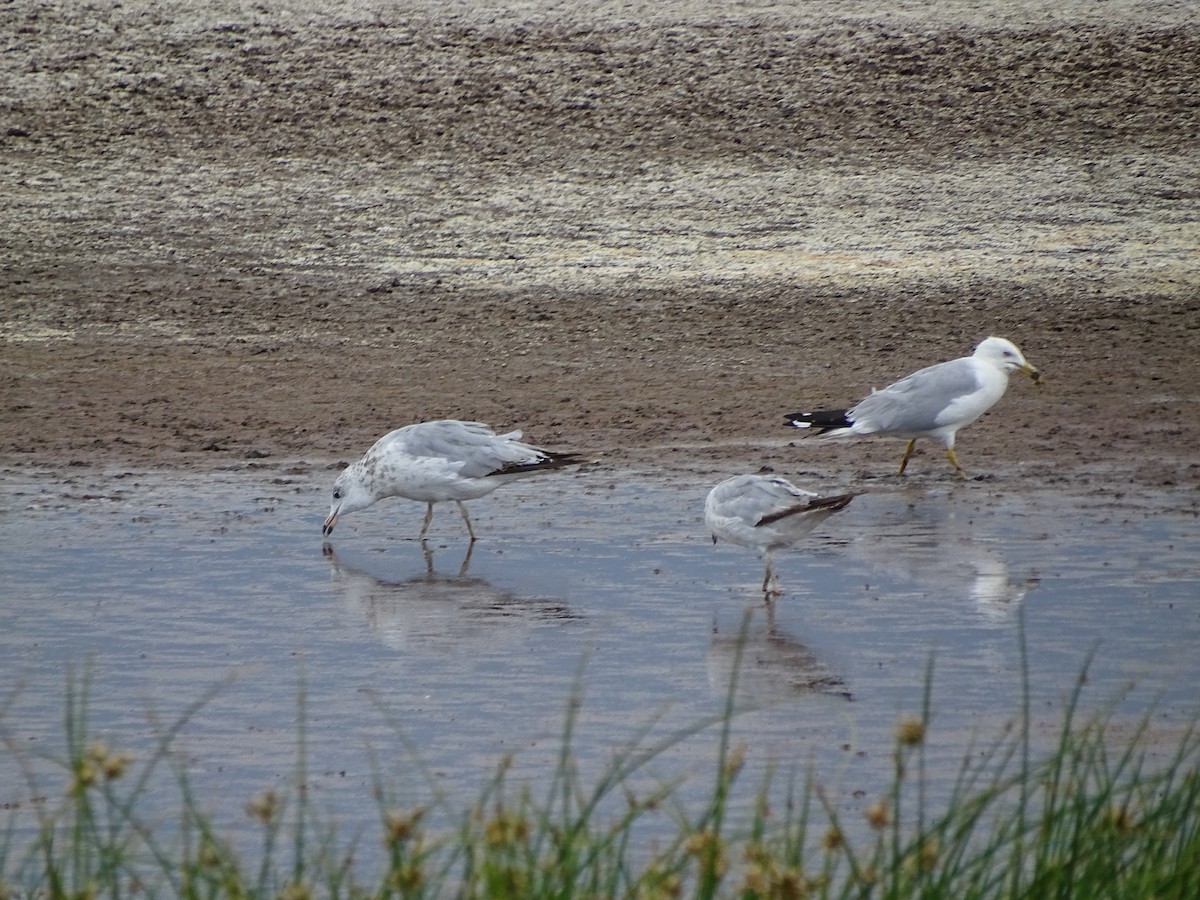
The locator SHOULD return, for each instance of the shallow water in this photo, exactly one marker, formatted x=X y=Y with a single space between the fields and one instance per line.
x=164 y=584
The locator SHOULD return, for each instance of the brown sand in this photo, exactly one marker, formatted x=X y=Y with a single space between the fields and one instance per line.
x=276 y=231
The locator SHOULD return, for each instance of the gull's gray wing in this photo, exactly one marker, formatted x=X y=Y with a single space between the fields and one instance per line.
x=751 y=497
x=914 y=403
x=473 y=445
x=774 y=495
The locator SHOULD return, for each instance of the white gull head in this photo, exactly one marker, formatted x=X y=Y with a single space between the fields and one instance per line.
x=350 y=494
x=1004 y=355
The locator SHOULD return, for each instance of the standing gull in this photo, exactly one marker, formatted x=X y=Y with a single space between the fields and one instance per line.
x=933 y=403
x=436 y=461
x=765 y=513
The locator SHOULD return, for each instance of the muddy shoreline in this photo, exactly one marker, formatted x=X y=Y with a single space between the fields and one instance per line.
x=263 y=233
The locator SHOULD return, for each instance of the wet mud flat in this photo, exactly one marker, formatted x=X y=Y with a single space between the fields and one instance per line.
x=240 y=231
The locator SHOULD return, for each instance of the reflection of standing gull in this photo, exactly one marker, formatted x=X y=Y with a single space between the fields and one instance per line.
x=766 y=513
x=933 y=403
x=774 y=667
x=434 y=612
x=436 y=461
x=938 y=550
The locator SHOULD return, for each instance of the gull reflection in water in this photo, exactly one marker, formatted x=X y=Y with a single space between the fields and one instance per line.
x=944 y=553
x=773 y=666
x=435 y=612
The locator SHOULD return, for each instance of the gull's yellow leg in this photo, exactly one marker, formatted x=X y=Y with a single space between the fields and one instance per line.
x=908 y=452
x=428 y=519
x=954 y=462
x=462 y=507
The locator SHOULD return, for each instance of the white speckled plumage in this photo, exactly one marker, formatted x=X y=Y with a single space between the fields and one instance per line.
x=437 y=461
x=765 y=513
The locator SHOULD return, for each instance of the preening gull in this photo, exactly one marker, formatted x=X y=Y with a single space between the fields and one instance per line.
x=933 y=403
x=436 y=461
x=765 y=513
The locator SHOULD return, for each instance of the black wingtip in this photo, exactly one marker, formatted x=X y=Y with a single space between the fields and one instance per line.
x=822 y=420
x=841 y=501
x=833 y=504
x=550 y=460
x=555 y=460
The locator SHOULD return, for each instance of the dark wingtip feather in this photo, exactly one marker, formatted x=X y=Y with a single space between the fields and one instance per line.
x=822 y=419
x=550 y=460
x=841 y=501
x=564 y=459
x=833 y=504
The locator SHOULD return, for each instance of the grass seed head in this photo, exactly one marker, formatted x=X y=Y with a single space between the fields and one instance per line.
x=398 y=826
x=85 y=777
x=506 y=829
x=877 y=815
x=910 y=732
x=768 y=876
x=922 y=859
x=736 y=760
x=659 y=884
x=115 y=764
x=930 y=850
x=264 y=807
x=297 y=890
x=1120 y=819
x=210 y=855
x=708 y=847
x=405 y=879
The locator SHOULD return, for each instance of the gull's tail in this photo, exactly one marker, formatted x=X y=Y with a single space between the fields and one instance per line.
x=823 y=420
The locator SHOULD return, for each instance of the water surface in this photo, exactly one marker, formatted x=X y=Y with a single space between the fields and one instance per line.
x=164 y=584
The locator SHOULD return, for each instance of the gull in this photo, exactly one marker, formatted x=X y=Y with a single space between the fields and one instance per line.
x=436 y=461
x=765 y=513
x=933 y=403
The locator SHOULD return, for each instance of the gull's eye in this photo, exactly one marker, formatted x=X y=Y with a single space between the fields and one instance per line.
x=337 y=493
